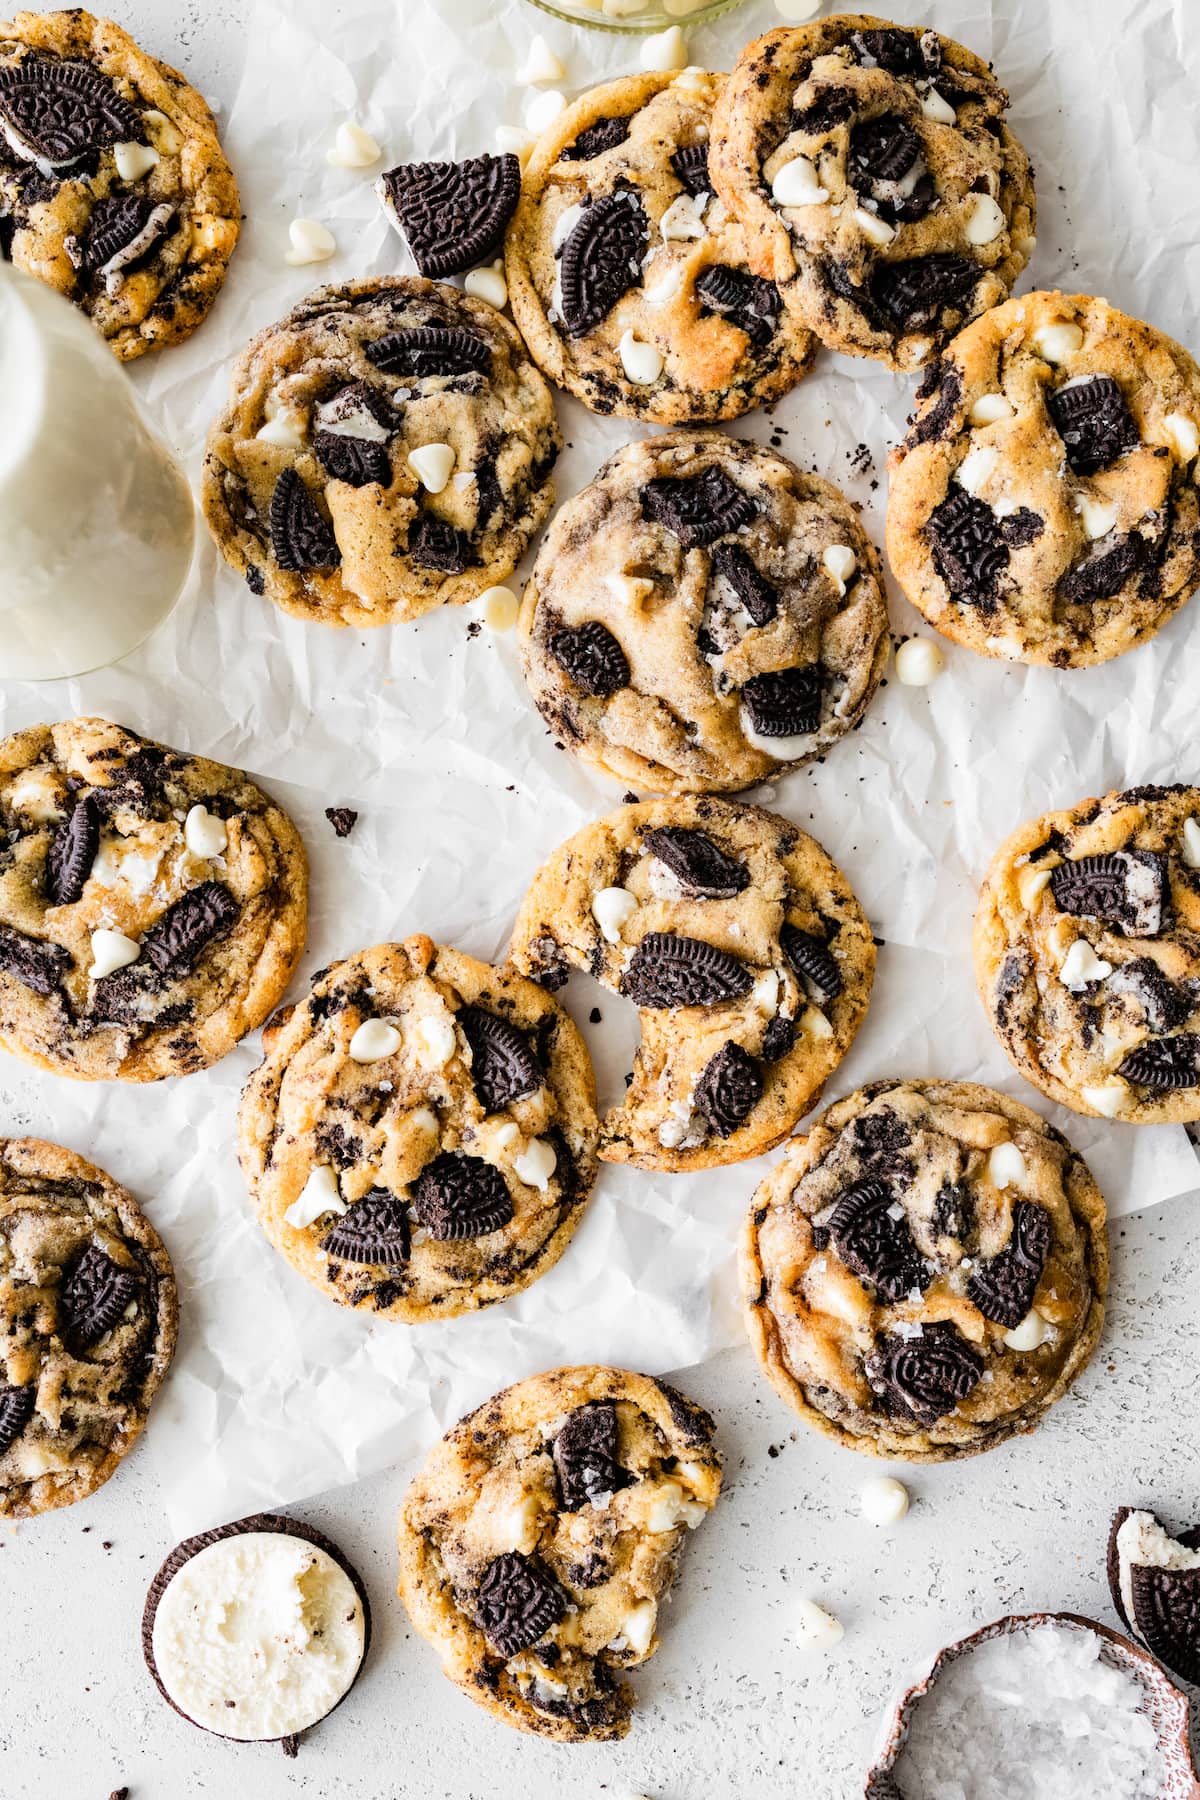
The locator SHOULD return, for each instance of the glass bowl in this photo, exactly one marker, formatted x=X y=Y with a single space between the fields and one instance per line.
x=643 y=15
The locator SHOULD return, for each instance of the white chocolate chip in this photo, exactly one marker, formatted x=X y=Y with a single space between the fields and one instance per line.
x=1191 y=843
x=374 y=1040
x=666 y=287
x=1097 y=516
x=630 y=590
x=839 y=563
x=975 y=468
x=311 y=242
x=518 y=1526
x=918 y=662
x=433 y=465
x=813 y=1020
x=1058 y=343
x=542 y=111
x=111 y=950
x=985 y=222
x=935 y=106
x=1030 y=883
x=1183 y=436
x=884 y=1500
x=161 y=131
x=873 y=228
x=817 y=1629
x=489 y=284
x=536 y=1165
x=637 y=1627
x=671 y=1508
x=514 y=140
x=641 y=362
x=989 y=408
x=798 y=184
x=766 y=993
x=134 y=160
x=500 y=608
x=204 y=834
x=353 y=148
x=1006 y=1166
x=1029 y=1334
x=542 y=65
x=665 y=51
x=1081 y=965
x=320 y=1194
x=612 y=909
x=1108 y=1100
x=286 y=429
x=681 y=223
x=435 y=1036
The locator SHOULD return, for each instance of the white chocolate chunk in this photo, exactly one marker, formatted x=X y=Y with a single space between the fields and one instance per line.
x=286 y=429
x=513 y=140
x=918 y=662
x=642 y=362
x=766 y=993
x=374 y=1040
x=666 y=287
x=873 y=228
x=1058 y=343
x=542 y=65
x=1182 y=435
x=1191 y=843
x=637 y=1627
x=433 y=465
x=436 y=1040
x=204 y=834
x=813 y=1020
x=935 y=106
x=976 y=467
x=320 y=1194
x=1029 y=1334
x=839 y=563
x=542 y=111
x=536 y=1165
x=817 y=1629
x=612 y=909
x=1006 y=1166
x=500 y=608
x=161 y=132
x=990 y=408
x=489 y=284
x=311 y=242
x=111 y=950
x=1097 y=516
x=985 y=221
x=681 y=223
x=35 y=794
x=1030 y=883
x=134 y=160
x=671 y=1508
x=1108 y=1100
x=353 y=148
x=664 y=52
x=1081 y=965
x=798 y=184
x=884 y=1500
x=517 y=1526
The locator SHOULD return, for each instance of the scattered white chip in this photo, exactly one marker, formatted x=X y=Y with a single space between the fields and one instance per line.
x=286 y=429
x=875 y=229
x=500 y=608
x=204 y=834
x=918 y=662
x=637 y=1627
x=542 y=111
x=612 y=909
x=817 y=1629
x=353 y=148
x=1191 y=843
x=1029 y=1334
x=134 y=160
x=320 y=1194
x=1183 y=435
x=1081 y=965
x=536 y=1165
x=642 y=362
x=1097 y=516
x=433 y=465
x=111 y=950
x=839 y=563
x=985 y=221
x=935 y=106
x=884 y=1500
x=798 y=184
x=542 y=65
x=1006 y=1166
x=990 y=408
x=311 y=242
x=1057 y=343
x=1108 y=1100
x=681 y=221
x=489 y=284
x=665 y=51
x=973 y=471
x=514 y=140
x=374 y=1040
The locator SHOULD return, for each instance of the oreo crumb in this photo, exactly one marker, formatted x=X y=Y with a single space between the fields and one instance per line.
x=342 y=818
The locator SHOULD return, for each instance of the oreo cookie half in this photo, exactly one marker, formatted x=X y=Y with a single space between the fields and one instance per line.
x=1154 y=1578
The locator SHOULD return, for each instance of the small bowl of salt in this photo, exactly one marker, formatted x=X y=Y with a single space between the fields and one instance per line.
x=1043 y=1705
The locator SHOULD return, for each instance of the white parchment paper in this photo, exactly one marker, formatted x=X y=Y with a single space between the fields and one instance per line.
x=276 y=1392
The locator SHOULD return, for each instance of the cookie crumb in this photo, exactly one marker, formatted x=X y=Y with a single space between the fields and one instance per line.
x=342 y=818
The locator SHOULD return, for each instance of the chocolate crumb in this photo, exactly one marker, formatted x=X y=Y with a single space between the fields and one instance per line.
x=595 y=1016
x=289 y=1746
x=342 y=818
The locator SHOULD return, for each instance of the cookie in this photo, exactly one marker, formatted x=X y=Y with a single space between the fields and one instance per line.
x=744 y=950
x=1154 y=1579
x=452 y=215
x=420 y=1138
x=152 y=904
x=628 y=277
x=541 y=1537
x=88 y=1318
x=877 y=180
x=258 y=1630
x=923 y=1273
x=703 y=616
x=1087 y=954
x=114 y=189
x=1043 y=506
x=387 y=449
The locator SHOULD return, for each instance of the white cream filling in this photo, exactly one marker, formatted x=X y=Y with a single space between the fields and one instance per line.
x=1142 y=1540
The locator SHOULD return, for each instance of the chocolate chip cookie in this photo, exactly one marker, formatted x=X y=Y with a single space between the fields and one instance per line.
x=387 y=449
x=878 y=182
x=1043 y=506
x=703 y=616
x=420 y=1138
x=540 y=1538
x=1087 y=954
x=628 y=276
x=152 y=904
x=88 y=1316
x=114 y=189
x=924 y=1272
x=744 y=950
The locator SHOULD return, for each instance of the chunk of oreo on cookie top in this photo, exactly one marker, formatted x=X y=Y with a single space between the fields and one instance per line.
x=517 y=1603
x=969 y=551
x=703 y=870
x=914 y=293
x=94 y=1294
x=595 y=139
x=870 y=1234
x=591 y=656
x=927 y=1376
x=503 y=1067
x=585 y=1456
x=1154 y=1578
x=729 y=1088
x=698 y=509
x=1166 y=1064
x=1003 y=1287
x=1125 y=888
x=430 y=351
x=301 y=536
x=602 y=259
x=750 y=302
x=784 y=703
x=452 y=215
x=56 y=110
x=458 y=1196
x=1094 y=422
x=670 y=970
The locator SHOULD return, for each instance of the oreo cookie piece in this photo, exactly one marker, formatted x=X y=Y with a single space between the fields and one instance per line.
x=427 y=351
x=503 y=1067
x=691 y=166
x=1003 y=1288
x=1164 y=1004
x=372 y=1230
x=1093 y=421
x=58 y=110
x=703 y=870
x=301 y=536
x=926 y=1376
x=176 y=942
x=16 y=1410
x=585 y=1456
x=668 y=970
x=457 y=1196
x=812 y=962
x=778 y=1038
x=914 y=293
x=968 y=549
x=750 y=302
x=698 y=509
x=784 y=703
x=591 y=656
x=729 y=1088
x=883 y=148
x=353 y=460
x=94 y=1295
x=829 y=110
x=72 y=852
x=434 y=543
x=1021 y=528
x=1164 y=1064
x=517 y=1603
x=452 y=215
x=942 y=384
x=36 y=965
x=122 y=230
x=1154 y=1578
x=595 y=139
x=752 y=588
x=875 y=1244
x=899 y=52
x=1125 y=888
x=1103 y=577
x=602 y=259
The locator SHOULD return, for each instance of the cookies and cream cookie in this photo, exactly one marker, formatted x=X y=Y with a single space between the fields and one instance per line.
x=1087 y=954
x=153 y=904
x=923 y=1273
x=420 y=1138
x=542 y=1536
x=114 y=189
x=386 y=449
x=877 y=179
x=88 y=1317
x=1043 y=506
x=628 y=277
x=703 y=616
x=744 y=950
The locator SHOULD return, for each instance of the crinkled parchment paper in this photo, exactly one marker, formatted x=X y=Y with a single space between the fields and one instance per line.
x=276 y=1392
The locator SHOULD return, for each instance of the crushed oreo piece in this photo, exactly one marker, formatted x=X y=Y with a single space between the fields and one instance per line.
x=591 y=656
x=373 y=1229
x=899 y=52
x=342 y=818
x=1166 y=1613
x=453 y=215
x=517 y=1603
x=698 y=509
x=173 y=945
x=925 y=1377
x=1093 y=421
x=750 y=302
x=122 y=230
x=457 y=1196
x=703 y=870
x=353 y=460
x=942 y=383
x=813 y=963
x=434 y=543
x=1102 y=577
x=585 y=1456
x=668 y=969
x=1003 y=1287
x=968 y=550
x=16 y=1410
x=1164 y=1005
x=72 y=852
x=1126 y=888
x=778 y=1038
x=784 y=703
x=503 y=1067
x=301 y=536
x=1021 y=528
x=876 y=1247
x=1165 y=1064
x=954 y=1211
x=829 y=110
x=691 y=166
x=729 y=1088
x=752 y=588
x=884 y=148
x=61 y=109
x=36 y=965
x=94 y=1294
x=914 y=293
x=602 y=259
x=595 y=139
x=430 y=350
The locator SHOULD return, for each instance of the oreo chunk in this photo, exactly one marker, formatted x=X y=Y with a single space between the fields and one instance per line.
x=1126 y=888
x=750 y=302
x=1093 y=421
x=968 y=550
x=942 y=384
x=121 y=231
x=36 y=965
x=591 y=656
x=372 y=1230
x=503 y=1067
x=457 y=1197
x=778 y=1038
x=434 y=543
x=729 y=1088
x=72 y=852
x=691 y=166
x=829 y=110
x=175 y=944
x=913 y=293
x=1102 y=577
x=1022 y=528
x=301 y=536
x=883 y=149
x=753 y=590
x=698 y=509
x=453 y=215
x=784 y=703
x=899 y=52
x=925 y=1377
x=16 y=1410
x=1166 y=1614
x=517 y=1603
x=703 y=870
x=585 y=1456
x=602 y=259
x=812 y=962
x=669 y=970
x=353 y=460
x=595 y=139
x=59 y=110
x=1003 y=1287
x=874 y=1245
x=430 y=350
x=94 y=1294
x=1165 y=1064
x=1165 y=1006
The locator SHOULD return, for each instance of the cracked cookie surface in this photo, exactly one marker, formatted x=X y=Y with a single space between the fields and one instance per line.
x=1087 y=954
x=114 y=189
x=1043 y=506
x=628 y=276
x=420 y=1138
x=153 y=904
x=744 y=950
x=542 y=1535
x=923 y=1274
x=88 y=1318
x=877 y=180
x=309 y=489
x=703 y=616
